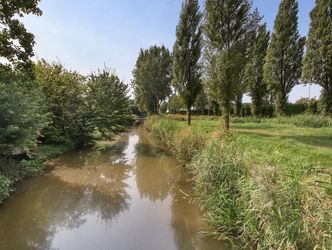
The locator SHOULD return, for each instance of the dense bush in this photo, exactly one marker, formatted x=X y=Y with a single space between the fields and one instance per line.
x=311 y=121
x=22 y=117
x=5 y=184
x=305 y=120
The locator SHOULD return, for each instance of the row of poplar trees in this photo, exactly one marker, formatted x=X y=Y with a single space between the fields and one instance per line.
x=227 y=51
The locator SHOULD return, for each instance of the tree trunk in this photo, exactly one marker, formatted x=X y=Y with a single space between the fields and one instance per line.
x=327 y=100
x=238 y=105
x=226 y=117
x=189 y=115
x=281 y=102
x=257 y=106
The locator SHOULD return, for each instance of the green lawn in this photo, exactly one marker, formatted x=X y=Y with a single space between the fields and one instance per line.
x=314 y=144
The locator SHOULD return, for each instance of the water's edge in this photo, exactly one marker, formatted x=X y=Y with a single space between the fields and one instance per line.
x=129 y=194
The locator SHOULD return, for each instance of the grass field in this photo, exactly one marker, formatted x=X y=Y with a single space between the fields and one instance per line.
x=314 y=144
x=267 y=183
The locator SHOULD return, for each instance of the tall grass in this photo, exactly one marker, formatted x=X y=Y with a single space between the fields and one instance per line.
x=183 y=140
x=270 y=199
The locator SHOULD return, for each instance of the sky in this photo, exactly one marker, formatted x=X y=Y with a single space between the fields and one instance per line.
x=86 y=35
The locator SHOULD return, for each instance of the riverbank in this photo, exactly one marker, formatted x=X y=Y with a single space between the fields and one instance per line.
x=14 y=171
x=267 y=183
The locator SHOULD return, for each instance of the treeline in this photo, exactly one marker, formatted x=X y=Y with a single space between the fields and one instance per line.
x=225 y=51
x=45 y=108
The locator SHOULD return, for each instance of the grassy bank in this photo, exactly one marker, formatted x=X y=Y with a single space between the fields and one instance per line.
x=13 y=171
x=267 y=183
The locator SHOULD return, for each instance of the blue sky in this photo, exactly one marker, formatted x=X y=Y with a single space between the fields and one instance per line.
x=87 y=34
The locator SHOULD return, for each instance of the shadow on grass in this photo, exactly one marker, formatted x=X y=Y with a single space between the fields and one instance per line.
x=255 y=126
x=312 y=140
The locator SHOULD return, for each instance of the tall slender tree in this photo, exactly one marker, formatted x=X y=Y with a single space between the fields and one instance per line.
x=187 y=53
x=283 y=66
x=317 y=66
x=254 y=69
x=225 y=30
x=247 y=43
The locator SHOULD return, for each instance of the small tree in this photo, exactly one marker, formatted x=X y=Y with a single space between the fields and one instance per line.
x=108 y=102
x=284 y=55
x=225 y=30
x=186 y=55
x=22 y=116
x=64 y=91
x=254 y=70
x=317 y=66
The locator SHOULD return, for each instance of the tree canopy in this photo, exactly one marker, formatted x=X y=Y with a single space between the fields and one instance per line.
x=16 y=43
x=187 y=53
x=152 y=78
x=253 y=75
x=317 y=66
x=225 y=30
x=283 y=66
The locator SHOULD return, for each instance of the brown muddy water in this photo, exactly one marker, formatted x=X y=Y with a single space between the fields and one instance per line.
x=128 y=195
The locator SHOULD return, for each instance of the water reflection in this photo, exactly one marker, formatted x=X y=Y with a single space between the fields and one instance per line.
x=129 y=195
x=49 y=206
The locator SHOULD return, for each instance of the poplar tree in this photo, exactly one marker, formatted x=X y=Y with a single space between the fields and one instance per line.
x=282 y=70
x=317 y=66
x=254 y=69
x=186 y=54
x=225 y=30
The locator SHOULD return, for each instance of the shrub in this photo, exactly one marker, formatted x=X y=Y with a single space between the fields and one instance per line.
x=311 y=121
x=5 y=185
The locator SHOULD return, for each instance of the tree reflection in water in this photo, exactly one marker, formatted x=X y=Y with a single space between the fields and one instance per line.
x=63 y=199
x=154 y=172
